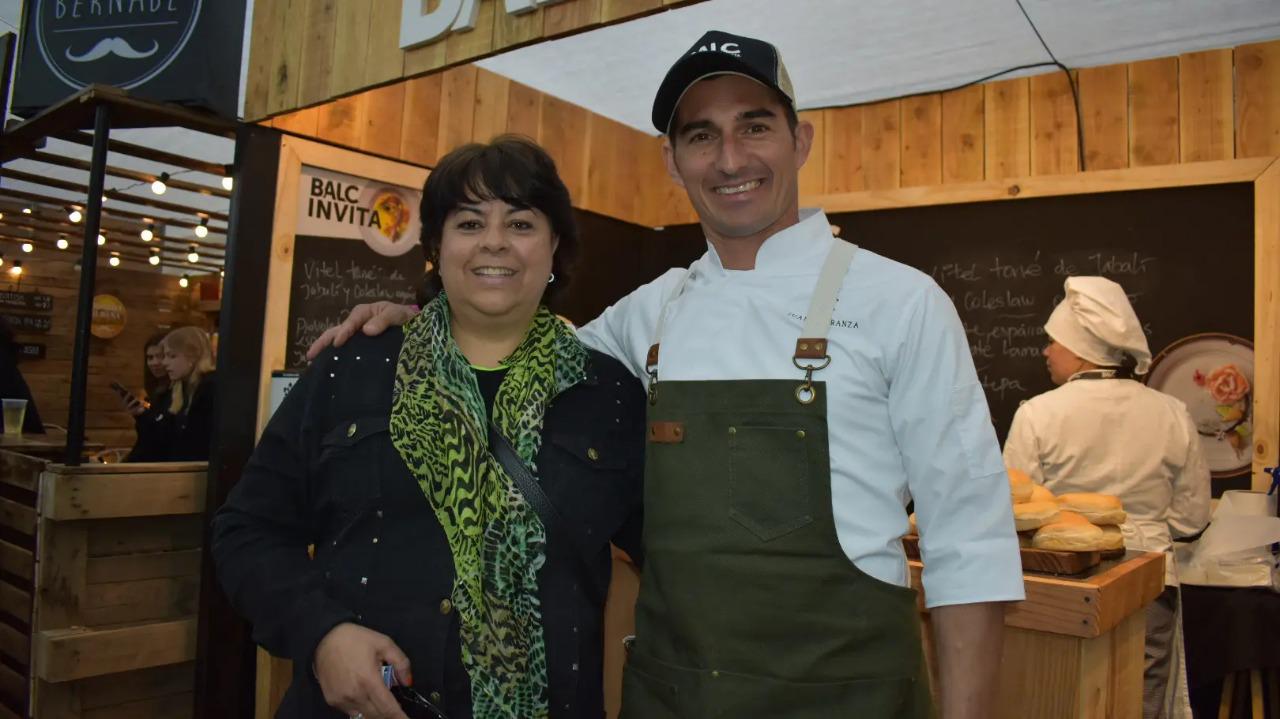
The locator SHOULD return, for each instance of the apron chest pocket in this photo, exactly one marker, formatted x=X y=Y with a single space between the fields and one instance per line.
x=769 y=480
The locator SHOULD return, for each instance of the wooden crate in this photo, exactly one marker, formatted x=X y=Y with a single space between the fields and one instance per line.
x=117 y=586
x=1073 y=649
x=19 y=482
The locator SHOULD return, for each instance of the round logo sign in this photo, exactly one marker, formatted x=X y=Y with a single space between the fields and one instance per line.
x=392 y=228
x=109 y=317
x=123 y=43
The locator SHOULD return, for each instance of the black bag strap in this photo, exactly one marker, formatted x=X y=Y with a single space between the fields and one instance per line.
x=552 y=520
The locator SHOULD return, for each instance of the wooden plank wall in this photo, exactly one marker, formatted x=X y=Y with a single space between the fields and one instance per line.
x=344 y=46
x=19 y=479
x=153 y=302
x=604 y=163
x=117 y=587
x=1211 y=105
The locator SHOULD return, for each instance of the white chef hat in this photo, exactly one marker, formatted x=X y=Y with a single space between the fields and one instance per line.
x=1096 y=322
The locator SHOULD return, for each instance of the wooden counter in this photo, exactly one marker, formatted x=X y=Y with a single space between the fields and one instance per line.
x=1074 y=647
x=51 y=445
x=98 y=589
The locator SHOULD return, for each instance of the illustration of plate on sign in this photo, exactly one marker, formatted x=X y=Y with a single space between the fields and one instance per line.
x=392 y=227
x=1213 y=374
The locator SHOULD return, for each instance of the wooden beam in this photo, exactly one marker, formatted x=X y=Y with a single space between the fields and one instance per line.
x=109 y=537
x=20 y=470
x=146 y=153
x=1104 y=107
x=1258 y=99
x=60 y=576
x=922 y=140
x=149 y=565
x=1054 y=141
x=116 y=689
x=113 y=603
x=178 y=184
x=318 y=30
x=75 y=653
x=843 y=145
x=1205 y=106
x=68 y=497
x=1204 y=173
x=881 y=152
x=963 y=135
x=457 y=108
x=1153 y=112
x=111 y=194
x=137 y=217
x=813 y=173
x=17 y=561
x=1008 y=133
x=1266 y=320
x=17 y=516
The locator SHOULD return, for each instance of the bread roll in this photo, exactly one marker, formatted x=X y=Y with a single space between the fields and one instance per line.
x=1070 y=532
x=1041 y=493
x=1030 y=515
x=1112 y=538
x=912 y=528
x=1020 y=486
x=1101 y=509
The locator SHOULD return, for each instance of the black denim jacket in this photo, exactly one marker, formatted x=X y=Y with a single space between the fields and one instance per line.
x=325 y=473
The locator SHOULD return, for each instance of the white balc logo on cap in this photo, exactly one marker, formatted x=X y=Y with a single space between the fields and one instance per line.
x=418 y=27
x=730 y=48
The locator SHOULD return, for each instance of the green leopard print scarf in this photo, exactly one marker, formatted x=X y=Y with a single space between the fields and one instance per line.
x=439 y=428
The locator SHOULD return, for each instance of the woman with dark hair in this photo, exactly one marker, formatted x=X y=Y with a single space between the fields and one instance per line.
x=179 y=423
x=12 y=384
x=155 y=378
x=461 y=480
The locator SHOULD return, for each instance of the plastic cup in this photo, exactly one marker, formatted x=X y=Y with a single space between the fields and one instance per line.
x=15 y=412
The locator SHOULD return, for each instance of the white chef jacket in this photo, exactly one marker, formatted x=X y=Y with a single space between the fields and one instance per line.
x=907 y=417
x=1118 y=437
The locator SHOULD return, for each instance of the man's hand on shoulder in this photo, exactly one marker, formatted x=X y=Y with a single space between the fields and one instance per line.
x=372 y=319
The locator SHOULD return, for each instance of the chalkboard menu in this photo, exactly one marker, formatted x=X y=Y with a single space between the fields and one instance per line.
x=27 y=323
x=331 y=275
x=1184 y=255
x=26 y=301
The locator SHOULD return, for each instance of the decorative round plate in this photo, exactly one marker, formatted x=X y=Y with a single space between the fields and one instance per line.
x=1213 y=374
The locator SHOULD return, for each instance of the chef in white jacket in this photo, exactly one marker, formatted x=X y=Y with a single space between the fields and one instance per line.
x=1102 y=430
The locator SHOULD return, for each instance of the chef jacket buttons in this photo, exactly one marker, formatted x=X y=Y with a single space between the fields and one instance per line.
x=434 y=697
x=715 y=673
x=364 y=580
x=800 y=434
x=592 y=454
x=446 y=606
x=351 y=431
x=733 y=431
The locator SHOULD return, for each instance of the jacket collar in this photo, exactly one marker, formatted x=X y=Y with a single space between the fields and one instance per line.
x=796 y=250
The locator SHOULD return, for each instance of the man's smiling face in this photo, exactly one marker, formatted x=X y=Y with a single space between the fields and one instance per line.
x=736 y=156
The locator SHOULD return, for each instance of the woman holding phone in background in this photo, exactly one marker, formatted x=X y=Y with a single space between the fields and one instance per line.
x=177 y=425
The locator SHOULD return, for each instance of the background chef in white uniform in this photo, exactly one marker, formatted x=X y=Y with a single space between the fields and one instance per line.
x=1102 y=430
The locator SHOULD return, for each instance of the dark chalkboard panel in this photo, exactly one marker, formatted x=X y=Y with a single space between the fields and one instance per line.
x=332 y=275
x=1184 y=255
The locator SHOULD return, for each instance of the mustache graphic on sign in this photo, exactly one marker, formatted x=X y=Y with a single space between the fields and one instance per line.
x=117 y=46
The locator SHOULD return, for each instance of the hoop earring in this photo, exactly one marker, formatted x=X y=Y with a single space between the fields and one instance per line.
x=552 y=278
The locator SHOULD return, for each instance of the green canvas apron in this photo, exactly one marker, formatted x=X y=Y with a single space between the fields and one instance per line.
x=748 y=606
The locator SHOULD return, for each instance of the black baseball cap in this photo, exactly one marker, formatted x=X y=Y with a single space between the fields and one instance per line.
x=720 y=53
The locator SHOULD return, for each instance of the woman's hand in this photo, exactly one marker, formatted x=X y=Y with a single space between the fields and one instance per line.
x=136 y=408
x=348 y=665
x=373 y=319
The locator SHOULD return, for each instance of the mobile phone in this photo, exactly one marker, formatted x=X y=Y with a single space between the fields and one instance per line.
x=128 y=397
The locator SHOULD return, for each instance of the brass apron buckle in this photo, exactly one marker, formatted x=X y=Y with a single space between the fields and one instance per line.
x=806 y=393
